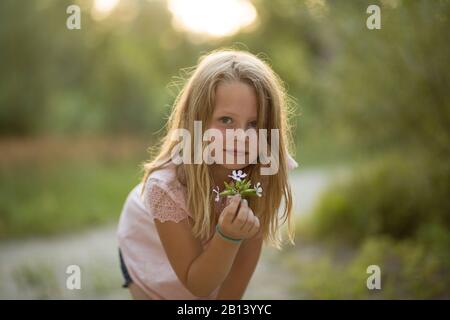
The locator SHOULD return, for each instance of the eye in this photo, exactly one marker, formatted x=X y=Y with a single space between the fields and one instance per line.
x=226 y=120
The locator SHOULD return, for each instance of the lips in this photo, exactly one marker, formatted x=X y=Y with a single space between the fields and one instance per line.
x=235 y=152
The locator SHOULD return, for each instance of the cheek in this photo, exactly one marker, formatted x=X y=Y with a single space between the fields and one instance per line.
x=253 y=151
x=252 y=141
x=219 y=138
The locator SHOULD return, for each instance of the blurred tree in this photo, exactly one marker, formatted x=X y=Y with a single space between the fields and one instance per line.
x=371 y=88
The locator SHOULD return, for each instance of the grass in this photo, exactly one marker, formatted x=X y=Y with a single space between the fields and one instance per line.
x=409 y=270
x=48 y=196
x=60 y=199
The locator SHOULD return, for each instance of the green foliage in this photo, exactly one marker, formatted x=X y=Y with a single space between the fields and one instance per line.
x=368 y=89
x=65 y=198
x=409 y=270
x=390 y=87
x=107 y=77
x=393 y=196
x=393 y=213
x=242 y=187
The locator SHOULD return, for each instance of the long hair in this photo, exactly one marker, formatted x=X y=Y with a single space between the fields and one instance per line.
x=195 y=102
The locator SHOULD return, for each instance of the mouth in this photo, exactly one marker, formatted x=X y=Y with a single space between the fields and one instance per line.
x=236 y=153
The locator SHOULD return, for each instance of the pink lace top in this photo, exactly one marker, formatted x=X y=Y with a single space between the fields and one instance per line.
x=164 y=198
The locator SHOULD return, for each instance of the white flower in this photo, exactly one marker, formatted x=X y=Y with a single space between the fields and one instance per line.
x=237 y=175
x=217 y=198
x=258 y=189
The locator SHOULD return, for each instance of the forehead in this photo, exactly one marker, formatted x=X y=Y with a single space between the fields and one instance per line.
x=238 y=98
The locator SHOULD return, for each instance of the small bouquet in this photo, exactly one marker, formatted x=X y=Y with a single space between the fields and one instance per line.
x=238 y=186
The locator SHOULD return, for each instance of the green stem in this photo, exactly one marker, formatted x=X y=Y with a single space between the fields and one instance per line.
x=248 y=192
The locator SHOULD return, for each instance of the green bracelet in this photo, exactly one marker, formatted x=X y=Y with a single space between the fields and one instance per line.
x=225 y=237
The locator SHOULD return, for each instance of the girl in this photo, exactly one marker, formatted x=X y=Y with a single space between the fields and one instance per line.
x=175 y=241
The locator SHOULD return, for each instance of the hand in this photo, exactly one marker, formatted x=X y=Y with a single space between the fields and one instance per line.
x=237 y=220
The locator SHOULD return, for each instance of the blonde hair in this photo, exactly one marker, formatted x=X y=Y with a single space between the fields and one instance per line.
x=196 y=101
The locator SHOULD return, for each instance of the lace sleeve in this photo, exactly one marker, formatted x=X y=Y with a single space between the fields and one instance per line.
x=159 y=203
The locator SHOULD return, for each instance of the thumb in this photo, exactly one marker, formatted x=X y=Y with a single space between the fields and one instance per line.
x=232 y=206
x=230 y=199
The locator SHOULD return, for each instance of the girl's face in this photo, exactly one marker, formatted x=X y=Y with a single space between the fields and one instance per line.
x=236 y=108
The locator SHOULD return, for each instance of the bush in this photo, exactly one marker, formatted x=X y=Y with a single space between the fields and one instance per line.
x=409 y=270
x=393 y=197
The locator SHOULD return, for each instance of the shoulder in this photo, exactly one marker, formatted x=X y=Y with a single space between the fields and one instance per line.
x=166 y=177
x=164 y=196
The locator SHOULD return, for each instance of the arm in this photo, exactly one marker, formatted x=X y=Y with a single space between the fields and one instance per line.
x=200 y=271
x=235 y=284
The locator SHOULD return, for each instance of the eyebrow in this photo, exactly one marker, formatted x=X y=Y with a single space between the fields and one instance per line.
x=228 y=113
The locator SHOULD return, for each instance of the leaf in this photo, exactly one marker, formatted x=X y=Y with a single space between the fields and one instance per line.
x=248 y=192
x=228 y=192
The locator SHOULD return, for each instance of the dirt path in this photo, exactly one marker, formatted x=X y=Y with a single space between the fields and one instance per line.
x=36 y=268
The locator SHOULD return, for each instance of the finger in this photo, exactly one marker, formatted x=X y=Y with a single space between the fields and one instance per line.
x=242 y=214
x=254 y=226
x=259 y=233
x=228 y=202
x=250 y=225
x=232 y=208
x=248 y=219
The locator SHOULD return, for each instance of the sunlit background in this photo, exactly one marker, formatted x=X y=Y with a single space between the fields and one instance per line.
x=214 y=18
x=210 y=18
x=79 y=109
x=102 y=8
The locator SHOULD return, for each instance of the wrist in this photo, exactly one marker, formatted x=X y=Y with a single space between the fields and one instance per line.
x=225 y=237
